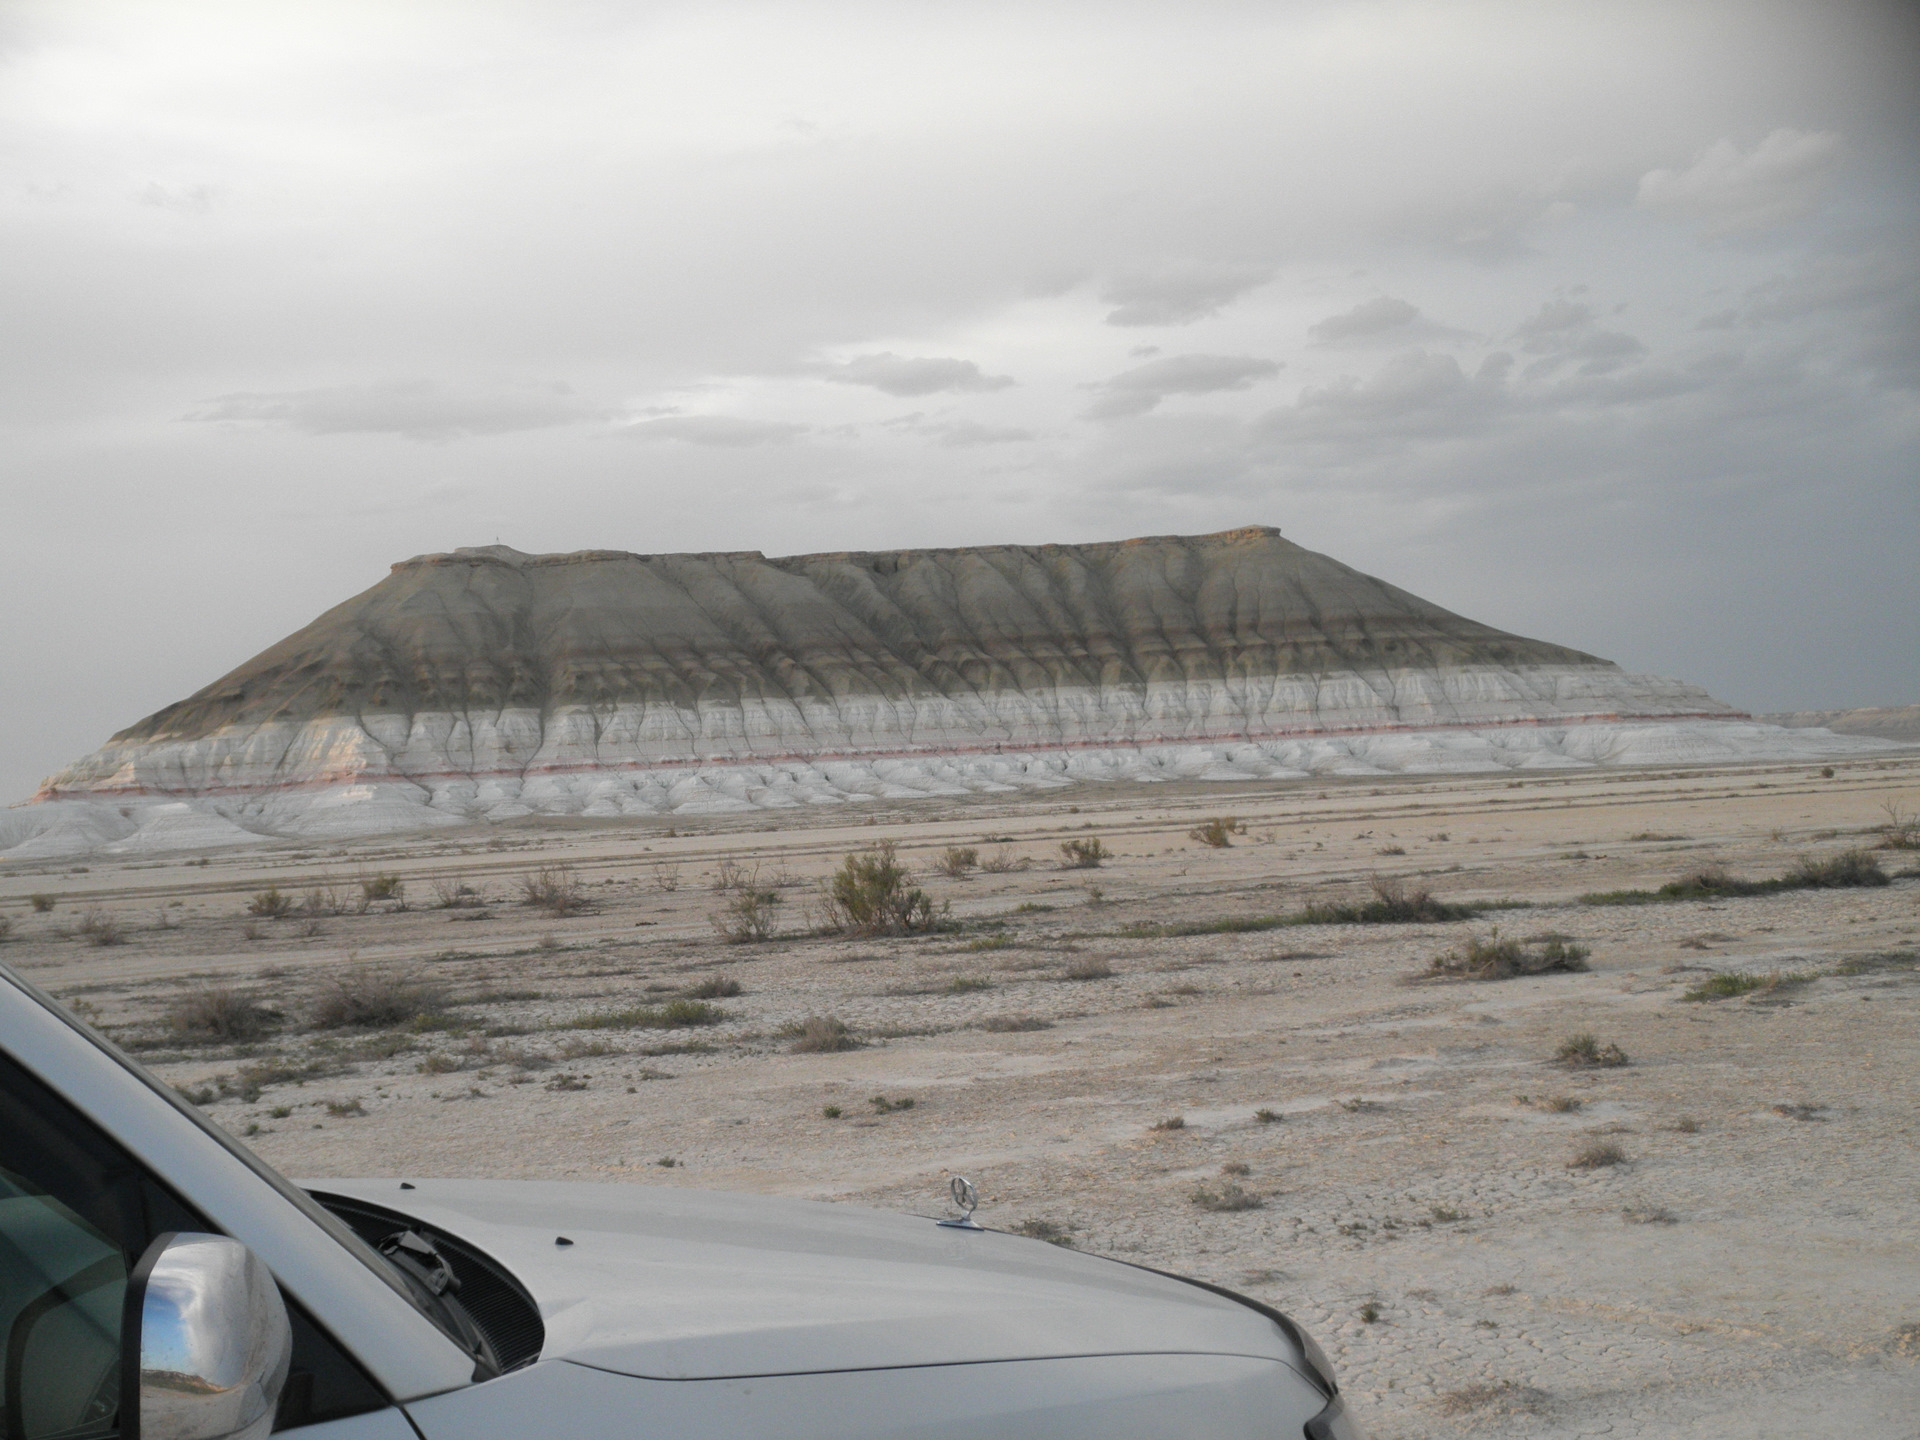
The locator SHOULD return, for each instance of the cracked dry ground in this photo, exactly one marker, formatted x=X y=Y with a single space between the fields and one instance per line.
x=1749 y=1270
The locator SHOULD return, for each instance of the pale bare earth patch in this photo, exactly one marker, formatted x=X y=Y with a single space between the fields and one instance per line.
x=1746 y=1269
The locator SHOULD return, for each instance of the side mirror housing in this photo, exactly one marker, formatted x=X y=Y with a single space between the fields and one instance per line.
x=205 y=1342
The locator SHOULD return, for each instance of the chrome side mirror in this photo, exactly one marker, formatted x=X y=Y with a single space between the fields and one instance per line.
x=205 y=1343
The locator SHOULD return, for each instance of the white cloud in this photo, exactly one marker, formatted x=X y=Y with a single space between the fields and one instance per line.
x=907 y=375
x=417 y=409
x=1136 y=391
x=1180 y=294
x=1731 y=192
x=725 y=431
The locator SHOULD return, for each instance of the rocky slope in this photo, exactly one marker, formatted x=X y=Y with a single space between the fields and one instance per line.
x=488 y=684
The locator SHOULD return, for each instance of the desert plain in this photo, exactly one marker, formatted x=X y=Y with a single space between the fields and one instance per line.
x=1714 y=1236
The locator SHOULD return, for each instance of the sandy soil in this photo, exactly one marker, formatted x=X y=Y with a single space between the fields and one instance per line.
x=1749 y=1269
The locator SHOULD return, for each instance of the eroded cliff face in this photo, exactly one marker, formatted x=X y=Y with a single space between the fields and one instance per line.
x=487 y=683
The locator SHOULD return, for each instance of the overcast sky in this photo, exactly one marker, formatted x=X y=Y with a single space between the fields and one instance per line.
x=1599 y=322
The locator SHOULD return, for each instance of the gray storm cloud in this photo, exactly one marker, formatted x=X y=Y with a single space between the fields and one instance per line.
x=909 y=375
x=1136 y=391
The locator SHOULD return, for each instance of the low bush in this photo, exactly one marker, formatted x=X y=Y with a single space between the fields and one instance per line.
x=381 y=887
x=218 y=1013
x=1217 y=832
x=1008 y=1024
x=1585 y=1052
x=674 y=1015
x=1848 y=870
x=716 y=988
x=1089 y=968
x=748 y=918
x=956 y=860
x=1731 y=985
x=1492 y=958
x=1392 y=904
x=367 y=998
x=820 y=1034
x=270 y=904
x=872 y=894
x=1597 y=1155
x=42 y=903
x=1088 y=854
x=554 y=889
x=1003 y=861
x=1902 y=828
x=99 y=928
x=1228 y=1196
x=452 y=893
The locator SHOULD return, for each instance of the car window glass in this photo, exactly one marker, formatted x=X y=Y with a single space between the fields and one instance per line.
x=76 y=1212
x=61 y=1284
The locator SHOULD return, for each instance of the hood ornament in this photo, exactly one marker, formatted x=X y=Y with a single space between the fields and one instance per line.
x=966 y=1198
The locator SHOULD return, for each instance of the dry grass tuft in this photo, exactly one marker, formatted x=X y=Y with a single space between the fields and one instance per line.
x=554 y=889
x=1088 y=854
x=821 y=1035
x=1090 y=967
x=366 y=998
x=1226 y=1197
x=1492 y=958
x=1597 y=1155
x=1585 y=1052
x=1218 y=832
x=218 y=1013
x=1008 y=1024
x=956 y=860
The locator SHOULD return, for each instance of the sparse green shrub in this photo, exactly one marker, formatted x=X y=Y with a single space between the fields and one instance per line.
x=674 y=1015
x=871 y=894
x=1849 y=869
x=554 y=889
x=1228 y=1196
x=270 y=904
x=1088 y=854
x=1217 y=832
x=956 y=860
x=453 y=893
x=564 y=1081
x=1585 y=1052
x=383 y=886
x=1392 y=904
x=342 y=1109
x=1370 y=1313
x=747 y=918
x=367 y=998
x=1902 y=828
x=42 y=903
x=1492 y=958
x=990 y=942
x=99 y=928
x=1730 y=985
x=1172 y=1122
x=883 y=1106
x=832 y=1112
x=820 y=1034
x=218 y=1013
x=1003 y=861
x=1268 y=1117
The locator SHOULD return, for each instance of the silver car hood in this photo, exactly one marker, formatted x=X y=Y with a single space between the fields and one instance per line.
x=686 y=1284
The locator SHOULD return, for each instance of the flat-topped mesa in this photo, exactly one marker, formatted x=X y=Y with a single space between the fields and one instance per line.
x=489 y=683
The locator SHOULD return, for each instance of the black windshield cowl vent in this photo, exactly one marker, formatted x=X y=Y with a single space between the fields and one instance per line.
x=496 y=1304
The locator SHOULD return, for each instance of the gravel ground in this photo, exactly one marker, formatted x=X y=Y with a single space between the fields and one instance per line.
x=1746 y=1269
